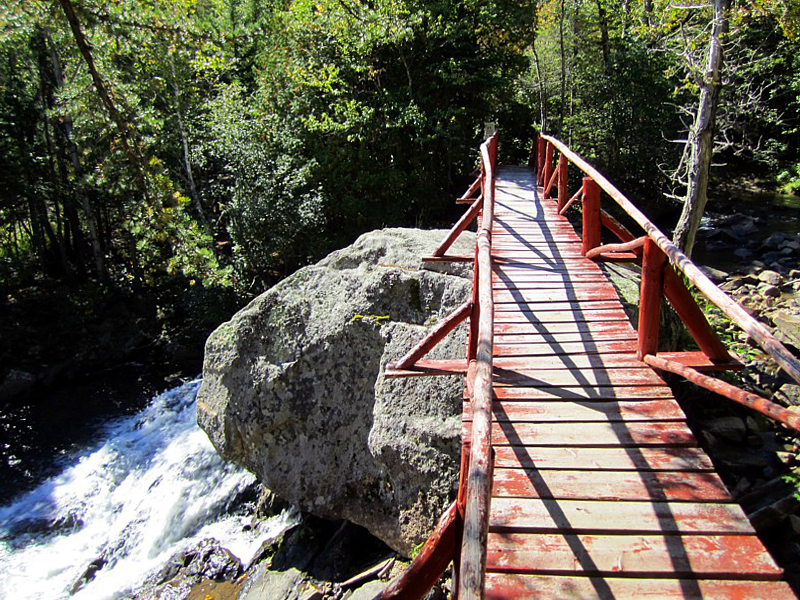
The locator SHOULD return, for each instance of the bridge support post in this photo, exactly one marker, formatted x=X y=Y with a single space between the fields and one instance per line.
x=563 y=192
x=591 y=215
x=540 y=152
x=548 y=169
x=653 y=264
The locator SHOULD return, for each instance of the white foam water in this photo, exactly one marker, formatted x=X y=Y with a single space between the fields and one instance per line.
x=153 y=486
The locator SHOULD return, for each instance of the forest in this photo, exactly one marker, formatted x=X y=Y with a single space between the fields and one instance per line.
x=182 y=155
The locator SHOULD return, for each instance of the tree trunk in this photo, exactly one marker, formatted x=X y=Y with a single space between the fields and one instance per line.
x=47 y=101
x=647 y=13
x=562 y=96
x=129 y=143
x=66 y=127
x=187 y=165
x=602 y=22
x=701 y=136
x=542 y=88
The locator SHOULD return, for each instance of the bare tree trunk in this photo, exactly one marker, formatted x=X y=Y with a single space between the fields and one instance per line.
x=602 y=22
x=562 y=97
x=187 y=165
x=542 y=88
x=46 y=97
x=91 y=221
x=127 y=136
x=647 y=13
x=701 y=136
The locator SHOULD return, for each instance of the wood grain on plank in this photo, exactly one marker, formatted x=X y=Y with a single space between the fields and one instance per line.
x=671 y=458
x=668 y=433
x=604 y=485
x=709 y=556
x=502 y=586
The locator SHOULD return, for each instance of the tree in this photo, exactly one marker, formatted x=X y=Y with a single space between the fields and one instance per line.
x=701 y=135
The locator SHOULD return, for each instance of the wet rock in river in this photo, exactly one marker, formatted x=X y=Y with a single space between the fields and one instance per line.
x=728 y=428
x=770 y=277
x=773 y=241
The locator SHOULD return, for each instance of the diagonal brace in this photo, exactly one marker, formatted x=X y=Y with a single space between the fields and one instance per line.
x=434 y=337
x=460 y=226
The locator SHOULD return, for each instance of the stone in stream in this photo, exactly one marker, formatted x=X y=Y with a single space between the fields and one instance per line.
x=787 y=327
x=773 y=241
x=770 y=277
x=729 y=428
x=293 y=386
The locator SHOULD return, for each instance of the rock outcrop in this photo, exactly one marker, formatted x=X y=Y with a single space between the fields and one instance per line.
x=293 y=386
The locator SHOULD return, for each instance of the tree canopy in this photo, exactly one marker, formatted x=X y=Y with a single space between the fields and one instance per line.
x=149 y=144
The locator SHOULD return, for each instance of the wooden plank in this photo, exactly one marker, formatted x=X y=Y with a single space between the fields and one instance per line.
x=545 y=347
x=579 y=362
x=561 y=341
x=514 y=268
x=566 y=378
x=570 y=294
x=595 y=435
x=560 y=316
x=535 y=234
x=536 y=515
x=547 y=279
x=552 y=283
x=600 y=411
x=507 y=332
x=611 y=486
x=554 y=254
x=577 y=307
x=701 y=362
x=740 y=556
x=685 y=459
x=502 y=586
x=561 y=246
x=581 y=393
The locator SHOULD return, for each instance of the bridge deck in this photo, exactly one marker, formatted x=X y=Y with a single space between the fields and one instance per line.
x=600 y=489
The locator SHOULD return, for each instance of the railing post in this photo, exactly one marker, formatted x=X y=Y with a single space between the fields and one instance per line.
x=548 y=168
x=591 y=214
x=563 y=192
x=540 y=152
x=653 y=263
x=474 y=317
x=461 y=501
x=493 y=151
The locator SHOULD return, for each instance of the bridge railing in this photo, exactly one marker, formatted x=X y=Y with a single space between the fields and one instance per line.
x=661 y=262
x=461 y=534
x=476 y=492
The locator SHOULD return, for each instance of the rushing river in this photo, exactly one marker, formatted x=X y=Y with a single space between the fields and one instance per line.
x=152 y=486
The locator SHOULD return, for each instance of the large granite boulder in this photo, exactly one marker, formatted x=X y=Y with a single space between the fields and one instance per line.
x=293 y=386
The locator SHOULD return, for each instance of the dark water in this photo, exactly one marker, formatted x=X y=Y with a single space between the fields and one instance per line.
x=42 y=429
x=771 y=213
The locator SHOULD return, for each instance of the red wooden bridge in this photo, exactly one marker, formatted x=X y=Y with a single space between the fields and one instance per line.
x=580 y=477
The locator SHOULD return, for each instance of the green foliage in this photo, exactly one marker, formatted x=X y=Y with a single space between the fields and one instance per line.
x=264 y=187
x=790 y=180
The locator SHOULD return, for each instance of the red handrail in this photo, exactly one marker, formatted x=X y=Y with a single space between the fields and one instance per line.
x=656 y=281
x=478 y=483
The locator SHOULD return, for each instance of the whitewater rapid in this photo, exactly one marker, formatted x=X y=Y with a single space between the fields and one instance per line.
x=151 y=487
